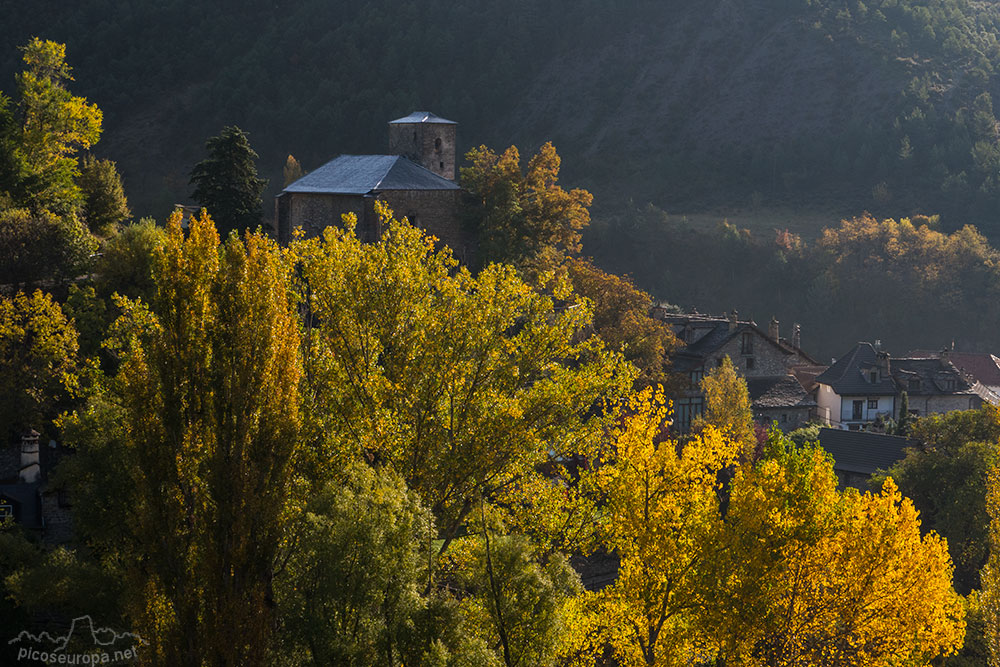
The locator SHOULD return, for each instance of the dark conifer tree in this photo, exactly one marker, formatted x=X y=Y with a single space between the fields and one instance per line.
x=903 y=423
x=226 y=181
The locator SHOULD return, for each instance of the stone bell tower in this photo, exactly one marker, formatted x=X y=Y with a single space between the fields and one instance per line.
x=426 y=139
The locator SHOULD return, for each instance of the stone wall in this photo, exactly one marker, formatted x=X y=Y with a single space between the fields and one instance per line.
x=767 y=359
x=315 y=212
x=437 y=212
x=928 y=405
x=787 y=419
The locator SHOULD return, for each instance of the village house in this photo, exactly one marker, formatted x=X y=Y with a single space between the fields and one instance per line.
x=26 y=494
x=866 y=384
x=416 y=179
x=764 y=358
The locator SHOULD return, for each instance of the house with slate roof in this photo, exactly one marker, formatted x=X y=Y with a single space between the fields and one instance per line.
x=26 y=494
x=764 y=358
x=781 y=400
x=866 y=384
x=416 y=180
x=984 y=367
x=857 y=455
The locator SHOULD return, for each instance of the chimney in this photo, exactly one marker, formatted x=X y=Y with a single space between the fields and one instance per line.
x=30 y=469
x=796 y=336
x=772 y=329
x=882 y=362
x=945 y=356
x=734 y=318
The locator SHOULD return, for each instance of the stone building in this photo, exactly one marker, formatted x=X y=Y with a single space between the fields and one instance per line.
x=416 y=180
x=764 y=358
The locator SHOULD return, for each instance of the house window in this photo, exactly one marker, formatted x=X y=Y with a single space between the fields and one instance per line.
x=6 y=510
x=784 y=417
x=949 y=385
x=696 y=376
x=873 y=376
x=746 y=346
x=858 y=410
x=718 y=361
x=873 y=404
x=437 y=145
x=685 y=410
x=441 y=165
x=751 y=364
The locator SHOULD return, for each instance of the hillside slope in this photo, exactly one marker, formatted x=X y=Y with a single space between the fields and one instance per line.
x=678 y=103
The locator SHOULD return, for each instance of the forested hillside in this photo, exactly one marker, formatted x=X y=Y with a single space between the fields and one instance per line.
x=883 y=105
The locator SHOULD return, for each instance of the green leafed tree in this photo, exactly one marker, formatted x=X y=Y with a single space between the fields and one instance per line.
x=52 y=126
x=226 y=181
x=464 y=385
x=351 y=592
x=104 y=203
x=38 y=246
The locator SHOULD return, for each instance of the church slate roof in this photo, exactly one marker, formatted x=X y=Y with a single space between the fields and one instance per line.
x=423 y=117
x=861 y=451
x=364 y=174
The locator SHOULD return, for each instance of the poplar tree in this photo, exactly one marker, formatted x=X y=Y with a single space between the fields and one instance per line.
x=202 y=422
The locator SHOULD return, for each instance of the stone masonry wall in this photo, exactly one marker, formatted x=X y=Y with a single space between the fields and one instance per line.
x=768 y=359
x=437 y=213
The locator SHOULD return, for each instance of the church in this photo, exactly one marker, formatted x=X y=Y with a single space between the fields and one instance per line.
x=416 y=179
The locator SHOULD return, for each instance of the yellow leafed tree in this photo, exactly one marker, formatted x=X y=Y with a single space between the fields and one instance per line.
x=663 y=518
x=812 y=575
x=991 y=572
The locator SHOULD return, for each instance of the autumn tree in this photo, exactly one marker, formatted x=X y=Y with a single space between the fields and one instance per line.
x=991 y=572
x=727 y=407
x=775 y=568
x=520 y=214
x=812 y=575
x=38 y=364
x=663 y=520
x=41 y=234
x=198 y=432
x=464 y=385
x=226 y=181
x=622 y=319
x=292 y=171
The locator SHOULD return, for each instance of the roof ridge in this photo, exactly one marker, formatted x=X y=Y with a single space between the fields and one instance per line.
x=391 y=167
